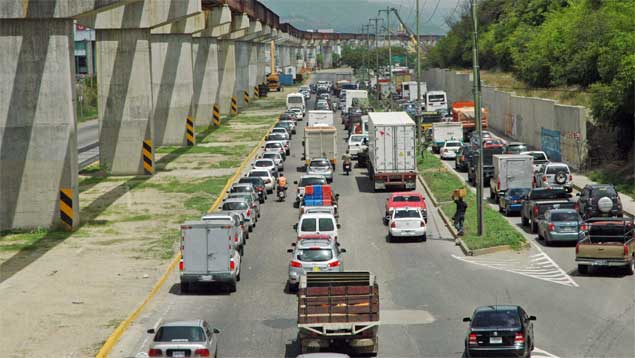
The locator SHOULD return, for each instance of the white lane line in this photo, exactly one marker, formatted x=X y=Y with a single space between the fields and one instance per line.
x=537 y=352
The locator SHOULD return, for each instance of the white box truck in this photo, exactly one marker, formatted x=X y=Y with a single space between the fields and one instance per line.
x=320 y=142
x=392 y=150
x=443 y=131
x=409 y=90
x=208 y=255
x=352 y=94
x=510 y=171
x=320 y=118
x=296 y=100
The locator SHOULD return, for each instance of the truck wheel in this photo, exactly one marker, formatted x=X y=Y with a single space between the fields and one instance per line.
x=583 y=269
x=232 y=286
x=630 y=269
x=524 y=220
x=534 y=227
x=491 y=194
x=424 y=237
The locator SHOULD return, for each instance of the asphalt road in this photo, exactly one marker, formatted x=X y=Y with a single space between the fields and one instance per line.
x=426 y=288
x=88 y=142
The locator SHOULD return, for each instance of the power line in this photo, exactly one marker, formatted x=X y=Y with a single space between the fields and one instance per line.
x=433 y=13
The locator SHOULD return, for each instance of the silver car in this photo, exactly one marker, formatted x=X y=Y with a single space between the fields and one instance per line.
x=554 y=174
x=321 y=166
x=252 y=199
x=291 y=124
x=184 y=339
x=277 y=158
x=282 y=138
x=241 y=206
x=315 y=255
x=265 y=175
x=268 y=164
x=280 y=130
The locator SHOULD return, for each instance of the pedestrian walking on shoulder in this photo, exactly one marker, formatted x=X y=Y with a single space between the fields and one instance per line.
x=459 y=215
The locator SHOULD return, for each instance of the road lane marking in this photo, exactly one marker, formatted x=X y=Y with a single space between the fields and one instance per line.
x=547 y=271
x=537 y=352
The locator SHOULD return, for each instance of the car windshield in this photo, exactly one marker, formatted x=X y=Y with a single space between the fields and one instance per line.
x=320 y=163
x=549 y=194
x=241 y=189
x=314 y=255
x=264 y=163
x=564 y=217
x=496 y=319
x=312 y=181
x=180 y=334
x=271 y=155
x=259 y=173
x=235 y=205
x=273 y=145
x=326 y=224
x=355 y=139
x=518 y=191
x=436 y=98
x=538 y=156
x=554 y=169
x=403 y=199
x=308 y=224
x=401 y=214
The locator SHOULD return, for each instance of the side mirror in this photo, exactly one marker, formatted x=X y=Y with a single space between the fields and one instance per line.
x=337 y=196
x=293 y=244
x=216 y=330
x=343 y=250
x=289 y=250
x=339 y=226
x=151 y=331
x=467 y=319
x=295 y=182
x=532 y=318
x=295 y=226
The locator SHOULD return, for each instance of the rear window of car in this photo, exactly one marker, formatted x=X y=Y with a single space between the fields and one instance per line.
x=259 y=173
x=235 y=206
x=404 y=214
x=538 y=156
x=264 y=163
x=180 y=334
x=518 y=192
x=270 y=155
x=273 y=145
x=253 y=180
x=312 y=181
x=314 y=255
x=549 y=194
x=308 y=224
x=326 y=224
x=276 y=136
x=241 y=189
x=320 y=163
x=617 y=233
x=409 y=199
x=554 y=169
x=565 y=217
x=496 y=319
x=603 y=191
x=355 y=139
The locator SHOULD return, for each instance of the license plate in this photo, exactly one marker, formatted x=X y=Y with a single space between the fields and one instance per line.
x=316 y=269
x=568 y=229
x=496 y=340
x=600 y=262
x=206 y=278
x=178 y=354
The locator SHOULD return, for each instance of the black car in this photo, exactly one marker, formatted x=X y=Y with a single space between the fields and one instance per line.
x=599 y=200
x=463 y=157
x=258 y=184
x=501 y=330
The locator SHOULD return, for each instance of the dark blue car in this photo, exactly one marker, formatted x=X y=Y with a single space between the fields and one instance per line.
x=512 y=201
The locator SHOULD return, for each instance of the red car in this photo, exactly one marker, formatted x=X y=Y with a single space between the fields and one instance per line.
x=405 y=199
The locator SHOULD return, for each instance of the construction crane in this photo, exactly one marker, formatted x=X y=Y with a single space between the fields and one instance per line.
x=413 y=38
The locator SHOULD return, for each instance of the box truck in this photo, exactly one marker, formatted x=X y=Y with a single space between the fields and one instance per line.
x=510 y=171
x=320 y=142
x=320 y=118
x=352 y=94
x=443 y=131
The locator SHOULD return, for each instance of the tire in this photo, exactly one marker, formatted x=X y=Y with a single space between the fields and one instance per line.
x=185 y=287
x=583 y=269
x=424 y=238
x=491 y=194
x=546 y=240
x=251 y=228
x=507 y=212
x=238 y=276
x=534 y=227
x=630 y=269
x=524 y=220
x=389 y=237
x=232 y=286
x=560 y=178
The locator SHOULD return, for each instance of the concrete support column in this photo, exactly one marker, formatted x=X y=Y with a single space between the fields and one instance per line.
x=226 y=74
x=253 y=66
x=312 y=57
x=125 y=101
x=242 y=71
x=285 y=56
x=172 y=87
x=206 y=79
x=262 y=63
x=38 y=134
x=327 y=52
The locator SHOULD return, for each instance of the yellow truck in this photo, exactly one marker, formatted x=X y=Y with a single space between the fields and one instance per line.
x=609 y=242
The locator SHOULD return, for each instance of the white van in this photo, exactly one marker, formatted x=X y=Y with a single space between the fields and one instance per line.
x=436 y=101
x=317 y=223
x=296 y=100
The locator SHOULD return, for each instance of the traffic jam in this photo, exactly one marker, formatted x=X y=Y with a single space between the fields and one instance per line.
x=338 y=310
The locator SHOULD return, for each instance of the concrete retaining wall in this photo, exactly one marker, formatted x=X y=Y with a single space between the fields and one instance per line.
x=541 y=123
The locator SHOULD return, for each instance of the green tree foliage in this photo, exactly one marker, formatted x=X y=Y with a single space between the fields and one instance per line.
x=547 y=43
x=354 y=57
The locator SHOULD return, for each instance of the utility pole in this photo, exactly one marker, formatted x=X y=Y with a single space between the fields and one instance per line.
x=367 y=52
x=376 y=20
x=418 y=117
x=387 y=11
x=364 y=54
x=479 y=125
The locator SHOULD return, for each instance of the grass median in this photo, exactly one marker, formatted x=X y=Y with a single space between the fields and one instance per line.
x=442 y=183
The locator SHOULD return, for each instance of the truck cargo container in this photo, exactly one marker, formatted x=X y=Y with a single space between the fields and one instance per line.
x=464 y=112
x=510 y=171
x=392 y=150
x=320 y=142
x=352 y=94
x=444 y=131
x=320 y=118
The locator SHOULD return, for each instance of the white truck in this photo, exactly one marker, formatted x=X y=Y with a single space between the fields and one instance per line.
x=436 y=101
x=392 y=150
x=296 y=100
x=209 y=254
x=320 y=118
x=409 y=90
x=351 y=94
x=444 y=131
x=320 y=142
x=510 y=171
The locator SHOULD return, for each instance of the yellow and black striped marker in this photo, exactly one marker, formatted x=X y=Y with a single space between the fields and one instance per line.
x=189 y=131
x=234 y=105
x=148 y=165
x=256 y=92
x=216 y=115
x=246 y=96
x=66 y=207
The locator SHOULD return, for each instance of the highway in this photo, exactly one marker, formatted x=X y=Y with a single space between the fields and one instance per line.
x=88 y=142
x=425 y=287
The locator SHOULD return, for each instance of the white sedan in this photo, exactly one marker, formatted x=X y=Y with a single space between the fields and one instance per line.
x=270 y=182
x=449 y=149
x=407 y=222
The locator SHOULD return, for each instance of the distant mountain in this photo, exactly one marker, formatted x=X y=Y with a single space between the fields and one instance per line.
x=350 y=15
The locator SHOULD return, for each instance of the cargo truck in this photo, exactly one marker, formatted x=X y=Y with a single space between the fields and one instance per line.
x=444 y=131
x=510 y=171
x=351 y=95
x=488 y=167
x=320 y=142
x=338 y=310
x=409 y=90
x=392 y=150
x=320 y=118
x=464 y=112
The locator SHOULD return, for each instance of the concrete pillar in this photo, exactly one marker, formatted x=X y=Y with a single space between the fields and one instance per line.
x=262 y=62
x=206 y=79
x=253 y=66
x=172 y=87
x=327 y=53
x=90 y=62
x=242 y=71
x=226 y=74
x=125 y=101
x=285 y=54
x=38 y=134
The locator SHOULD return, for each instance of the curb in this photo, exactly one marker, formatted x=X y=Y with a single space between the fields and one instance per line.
x=115 y=336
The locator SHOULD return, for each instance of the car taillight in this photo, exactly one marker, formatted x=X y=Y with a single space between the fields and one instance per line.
x=153 y=352
x=519 y=338
x=248 y=212
x=583 y=227
x=472 y=339
x=552 y=227
x=625 y=250
x=393 y=224
x=296 y=264
x=544 y=179
x=203 y=352
x=535 y=211
x=423 y=224
x=570 y=177
x=236 y=238
x=576 y=206
x=232 y=264
x=181 y=265
x=334 y=264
